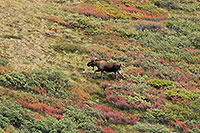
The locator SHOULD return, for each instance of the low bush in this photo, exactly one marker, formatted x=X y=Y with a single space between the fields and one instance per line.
x=182 y=93
x=182 y=26
x=116 y=117
x=174 y=4
x=90 y=10
x=181 y=34
x=13 y=114
x=156 y=116
x=182 y=105
x=142 y=127
x=4 y=122
x=149 y=26
x=183 y=110
x=121 y=10
x=90 y=25
x=190 y=126
x=50 y=124
x=3 y=61
x=55 y=82
x=160 y=83
x=132 y=96
x=74 y=118
x=163 y=69
x=170 y=4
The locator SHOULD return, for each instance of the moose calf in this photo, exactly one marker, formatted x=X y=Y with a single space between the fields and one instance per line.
x=103 y=65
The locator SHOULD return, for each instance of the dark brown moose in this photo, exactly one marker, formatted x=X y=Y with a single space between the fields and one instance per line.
x=103 y=65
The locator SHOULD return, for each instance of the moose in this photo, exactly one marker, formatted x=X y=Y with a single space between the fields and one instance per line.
x=103 y=65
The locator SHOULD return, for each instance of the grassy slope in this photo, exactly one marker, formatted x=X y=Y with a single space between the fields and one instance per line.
x=27 y=38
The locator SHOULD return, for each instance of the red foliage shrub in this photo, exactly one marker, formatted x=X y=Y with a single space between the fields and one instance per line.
x=132 y=9
x=38 y=116
x=181 y=124
x=80 y=131
x=108 y=130
x=135 y=72
x=78 y=105
x=122 y=95
x=180 y=100
x=39 y=90
x=4 y=69
x=188 y=85
x=41 y=107
x=58 y=20
x=170 y=72
x=187 y=126
x=90 y=10
x=113 y=116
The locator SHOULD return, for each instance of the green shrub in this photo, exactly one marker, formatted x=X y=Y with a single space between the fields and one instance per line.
x=184 y=106
x=74 y=119
x=183 y=26
x=3 y=61
x=156 y=116
x=49 y=124
x=194 y=38
x=172 y=57
x=181 y=33
x=10 y=129
x=160 y=41
x=170 y=4
x=13 y=114
x=85 y=118
x=55 y=82
x=161 y=83
x=88 y=24
x=150 y=63
x=4 y=122
x=119 y=57
x=142 y=127
x=149 y=26
x=182 y=93
x=1 y=130
x=12 y=36
x=174 y=4
x=178 y=111
x=194 y=69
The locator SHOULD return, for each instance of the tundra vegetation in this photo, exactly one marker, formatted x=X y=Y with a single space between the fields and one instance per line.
x=46 y=86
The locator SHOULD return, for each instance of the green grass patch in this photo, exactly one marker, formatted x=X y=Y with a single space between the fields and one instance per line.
x=3 y=61
x=70 y=48
x=12 y=36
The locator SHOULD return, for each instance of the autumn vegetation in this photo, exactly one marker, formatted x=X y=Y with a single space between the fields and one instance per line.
x=46 y=86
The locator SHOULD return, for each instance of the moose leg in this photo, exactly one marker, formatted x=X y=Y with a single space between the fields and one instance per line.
x=101 y=74
x=120 y=74
x=116 y=75
x=95 y=72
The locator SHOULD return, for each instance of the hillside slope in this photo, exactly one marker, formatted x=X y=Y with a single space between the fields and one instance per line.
x=46 y=85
